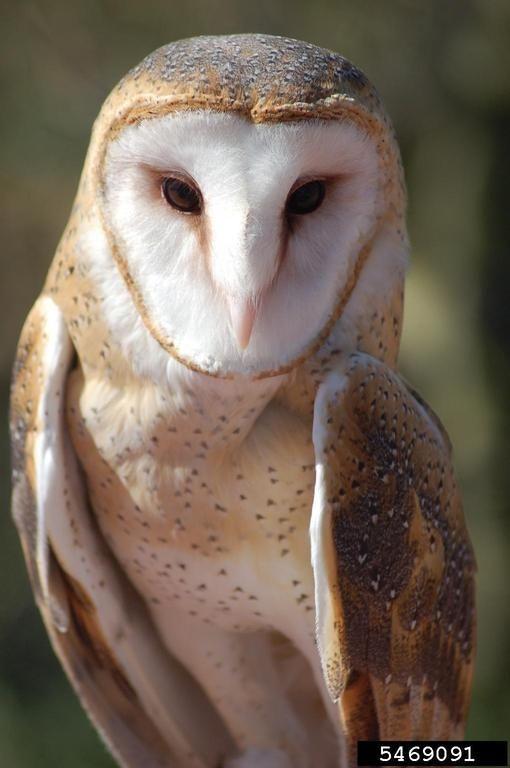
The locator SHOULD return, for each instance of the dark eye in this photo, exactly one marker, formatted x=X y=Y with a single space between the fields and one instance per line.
x=180 y=195
x=306 y=198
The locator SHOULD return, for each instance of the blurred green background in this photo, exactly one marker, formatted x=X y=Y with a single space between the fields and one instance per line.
x=443 y=68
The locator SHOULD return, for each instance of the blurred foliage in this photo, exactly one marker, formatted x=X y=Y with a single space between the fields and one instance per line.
x=443 y=69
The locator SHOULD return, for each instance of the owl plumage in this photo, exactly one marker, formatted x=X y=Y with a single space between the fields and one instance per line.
x=241 y=525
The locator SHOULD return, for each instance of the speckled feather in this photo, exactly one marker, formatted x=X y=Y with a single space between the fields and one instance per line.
x=187 y=487
x=402 y=628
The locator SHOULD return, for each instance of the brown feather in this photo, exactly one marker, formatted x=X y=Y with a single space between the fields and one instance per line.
x=404 y=579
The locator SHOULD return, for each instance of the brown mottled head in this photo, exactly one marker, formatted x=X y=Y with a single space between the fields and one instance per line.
x=259 y=75
x=279 y=114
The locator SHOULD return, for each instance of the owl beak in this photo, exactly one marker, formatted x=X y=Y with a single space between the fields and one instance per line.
x=242 y=319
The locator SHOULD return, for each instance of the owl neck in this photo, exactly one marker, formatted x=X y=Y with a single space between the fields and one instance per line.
x=219 y=413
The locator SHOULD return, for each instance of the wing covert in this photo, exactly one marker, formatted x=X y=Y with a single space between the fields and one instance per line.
x=393 y=563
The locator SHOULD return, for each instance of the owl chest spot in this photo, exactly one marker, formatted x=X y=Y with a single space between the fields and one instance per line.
x=221 y=548
x=223 y=535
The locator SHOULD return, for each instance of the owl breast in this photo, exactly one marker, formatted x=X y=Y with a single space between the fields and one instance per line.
x=204 y=498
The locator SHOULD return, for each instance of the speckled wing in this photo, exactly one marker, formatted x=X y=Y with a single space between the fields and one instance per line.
x=148 y=710
x=393 y=563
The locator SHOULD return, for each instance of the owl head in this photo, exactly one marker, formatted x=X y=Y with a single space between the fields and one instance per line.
x=244 y=203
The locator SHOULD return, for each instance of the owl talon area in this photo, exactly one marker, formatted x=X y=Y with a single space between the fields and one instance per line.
x=256 y=757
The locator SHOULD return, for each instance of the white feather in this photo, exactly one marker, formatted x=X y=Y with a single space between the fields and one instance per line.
x=245 y=172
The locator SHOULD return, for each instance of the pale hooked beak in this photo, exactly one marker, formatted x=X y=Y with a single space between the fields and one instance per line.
x=242 y=319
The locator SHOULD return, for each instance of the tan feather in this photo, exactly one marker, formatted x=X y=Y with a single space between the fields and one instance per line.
x=147 y=708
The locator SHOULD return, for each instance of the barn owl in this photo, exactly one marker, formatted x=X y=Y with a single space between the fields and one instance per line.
x=241 y=525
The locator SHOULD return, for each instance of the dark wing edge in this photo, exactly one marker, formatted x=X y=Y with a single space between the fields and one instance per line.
x=147 y=708
x=393 y=564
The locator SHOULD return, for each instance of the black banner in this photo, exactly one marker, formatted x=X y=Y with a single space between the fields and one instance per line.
x=432 y=753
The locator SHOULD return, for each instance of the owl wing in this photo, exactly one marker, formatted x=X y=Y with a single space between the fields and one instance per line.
x=147 y=708
x=393 y=564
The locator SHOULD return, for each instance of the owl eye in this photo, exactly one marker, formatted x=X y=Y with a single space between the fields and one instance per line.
x=306 y=198
x=181 y=195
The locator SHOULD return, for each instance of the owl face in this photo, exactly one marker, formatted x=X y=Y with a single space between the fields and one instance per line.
x=238 y=238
